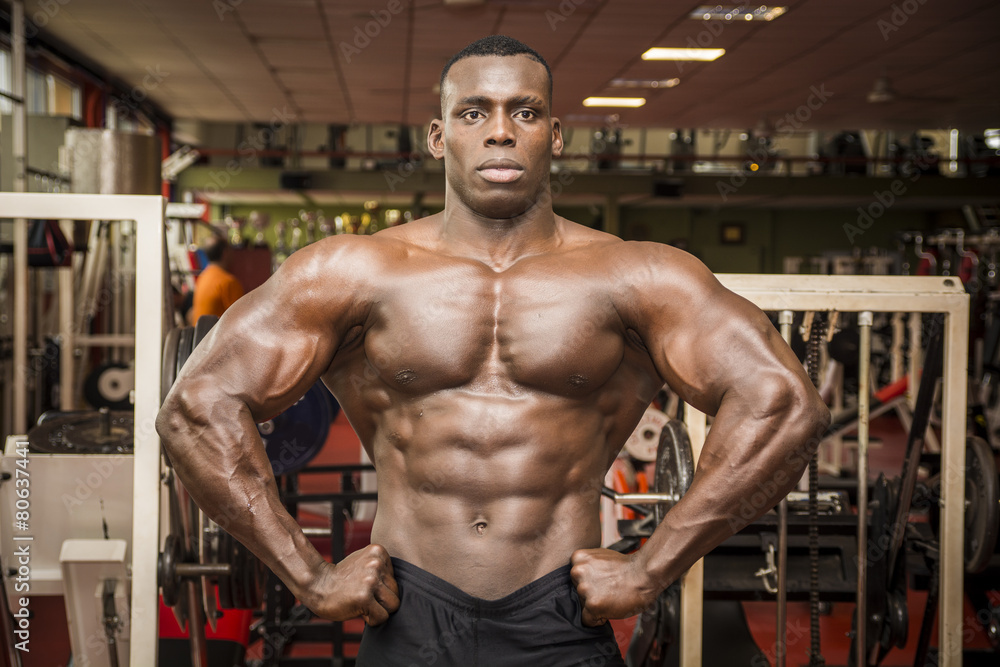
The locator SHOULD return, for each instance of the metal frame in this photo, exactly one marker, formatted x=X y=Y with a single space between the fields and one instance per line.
x=931 y=294
x=147 y=212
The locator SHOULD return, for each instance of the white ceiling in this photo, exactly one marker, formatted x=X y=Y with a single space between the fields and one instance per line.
x=241 y=60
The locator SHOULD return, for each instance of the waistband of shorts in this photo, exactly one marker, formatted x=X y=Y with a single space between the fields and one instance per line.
x=408 y=574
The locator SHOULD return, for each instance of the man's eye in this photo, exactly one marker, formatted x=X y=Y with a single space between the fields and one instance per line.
x=526 y=113
x=473 y=115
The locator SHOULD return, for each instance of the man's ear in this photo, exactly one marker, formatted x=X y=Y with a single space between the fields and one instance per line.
x=557 y=140
x=435 y=138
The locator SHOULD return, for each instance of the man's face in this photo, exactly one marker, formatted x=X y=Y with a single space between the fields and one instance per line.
x=497 y=135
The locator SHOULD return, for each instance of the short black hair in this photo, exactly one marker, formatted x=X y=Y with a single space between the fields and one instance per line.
x=497 y=45
x=215 y=247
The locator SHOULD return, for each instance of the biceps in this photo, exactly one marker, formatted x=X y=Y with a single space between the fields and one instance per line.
x=721 y=350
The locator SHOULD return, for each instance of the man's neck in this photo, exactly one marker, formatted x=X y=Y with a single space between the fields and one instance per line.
x=498 y=243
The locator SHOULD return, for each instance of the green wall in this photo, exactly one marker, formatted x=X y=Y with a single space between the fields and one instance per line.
x=770 y=235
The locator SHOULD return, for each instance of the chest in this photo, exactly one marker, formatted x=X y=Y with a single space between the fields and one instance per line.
x=538 y=327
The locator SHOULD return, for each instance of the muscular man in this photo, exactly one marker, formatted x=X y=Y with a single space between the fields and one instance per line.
x=216 y=289
x=493 y=358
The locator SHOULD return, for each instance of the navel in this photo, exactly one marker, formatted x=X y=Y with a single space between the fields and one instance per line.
x=479 y=527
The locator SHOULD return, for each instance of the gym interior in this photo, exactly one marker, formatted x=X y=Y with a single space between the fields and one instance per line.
x=835 y=163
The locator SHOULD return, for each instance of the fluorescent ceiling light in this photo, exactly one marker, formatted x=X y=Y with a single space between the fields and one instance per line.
x=657 y=53
x=736 y=13
x=614 y=101
x=644 y=83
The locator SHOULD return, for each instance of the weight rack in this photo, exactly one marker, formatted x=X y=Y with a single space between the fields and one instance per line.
x=282 y=618
x=865 y=295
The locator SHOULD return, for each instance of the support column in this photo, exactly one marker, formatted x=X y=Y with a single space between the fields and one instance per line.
x=20 y=151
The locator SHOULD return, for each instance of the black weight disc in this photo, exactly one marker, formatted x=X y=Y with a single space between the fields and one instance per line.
x=167 y=578
x=108 y=386
x=184 y=341
x=202 y=327
x=225 y=554
x=84 y=432
x=296 y=436
x=674 y=465
x=982 y=508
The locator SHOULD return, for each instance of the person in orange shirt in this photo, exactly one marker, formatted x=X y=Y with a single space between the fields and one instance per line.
x=216 y=288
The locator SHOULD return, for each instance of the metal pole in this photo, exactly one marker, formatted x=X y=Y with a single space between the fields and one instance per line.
x=67 y=340
x=916 y=359
x=146 y=487
x=864 y=394
x=20 y=150
x=785 y=321
x=953 y=421
x=693 y=581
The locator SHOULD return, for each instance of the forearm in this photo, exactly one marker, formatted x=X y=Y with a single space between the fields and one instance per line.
x=748 y=463
x=217 y=453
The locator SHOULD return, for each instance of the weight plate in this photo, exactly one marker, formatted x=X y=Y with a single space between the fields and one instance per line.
x=645 y=439
x=237 y=574
x=202 y=327
x=674 y=465
x=207 y=532
x=166 y=573
x=84 y=432
x=185 y=338
x=296 y=436
x=168 y=364
x=982 y=504
x=109 y=385
x=226 y=555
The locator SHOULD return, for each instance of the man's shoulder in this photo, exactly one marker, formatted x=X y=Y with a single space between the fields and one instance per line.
x=358 y=249
x=631 y=256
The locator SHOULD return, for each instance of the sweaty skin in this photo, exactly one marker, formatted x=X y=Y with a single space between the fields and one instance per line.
x=493 y=359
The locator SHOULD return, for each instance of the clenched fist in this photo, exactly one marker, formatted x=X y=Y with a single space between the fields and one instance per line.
x=610 y=585
x=360 y=585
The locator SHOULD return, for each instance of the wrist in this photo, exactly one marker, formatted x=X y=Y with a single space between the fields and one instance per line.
x=647 y=578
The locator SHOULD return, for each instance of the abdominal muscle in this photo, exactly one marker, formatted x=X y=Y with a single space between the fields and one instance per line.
x=489 y=511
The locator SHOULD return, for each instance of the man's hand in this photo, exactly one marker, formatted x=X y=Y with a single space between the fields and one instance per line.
x=360 y=585
x=610 y=585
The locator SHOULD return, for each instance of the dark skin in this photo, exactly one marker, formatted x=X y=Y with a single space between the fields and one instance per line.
x=493 y=359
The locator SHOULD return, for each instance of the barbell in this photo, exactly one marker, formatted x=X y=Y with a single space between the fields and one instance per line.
x=673 y=473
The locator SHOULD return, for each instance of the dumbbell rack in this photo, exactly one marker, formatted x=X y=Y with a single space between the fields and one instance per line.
x=283 y=621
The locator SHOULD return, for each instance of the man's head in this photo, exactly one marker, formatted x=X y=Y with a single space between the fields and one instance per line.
x=216 y=249
x=496 y=132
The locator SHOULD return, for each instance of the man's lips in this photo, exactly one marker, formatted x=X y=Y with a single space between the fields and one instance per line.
x=500 y=171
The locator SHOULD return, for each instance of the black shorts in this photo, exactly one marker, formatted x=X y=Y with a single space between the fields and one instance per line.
x=438 y=624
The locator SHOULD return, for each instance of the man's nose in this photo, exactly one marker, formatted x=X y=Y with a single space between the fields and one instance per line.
x=501 y=131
